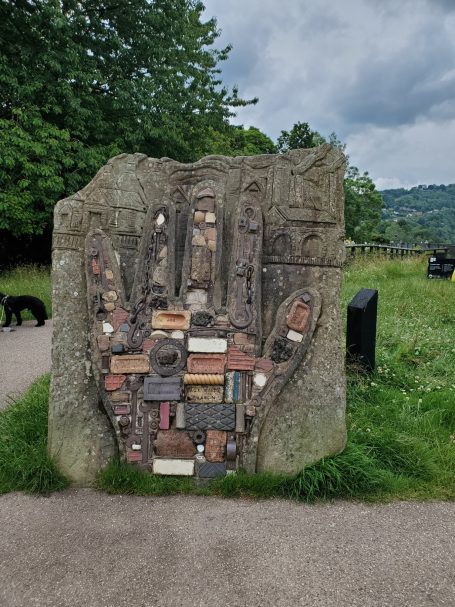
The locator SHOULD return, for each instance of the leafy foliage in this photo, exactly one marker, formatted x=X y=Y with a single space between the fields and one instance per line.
x=363 y=204
x=237 y=141
x=425 y=212
x=83 y=81
x=300 y=136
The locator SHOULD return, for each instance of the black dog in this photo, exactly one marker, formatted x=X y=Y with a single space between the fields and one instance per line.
x=15 y=305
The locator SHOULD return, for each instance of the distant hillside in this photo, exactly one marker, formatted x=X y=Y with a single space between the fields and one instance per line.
x=425 y=212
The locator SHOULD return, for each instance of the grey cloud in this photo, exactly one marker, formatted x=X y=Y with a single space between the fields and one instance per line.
x=372 y=71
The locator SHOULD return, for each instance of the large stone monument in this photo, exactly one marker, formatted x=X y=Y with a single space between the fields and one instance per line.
x=196 y=315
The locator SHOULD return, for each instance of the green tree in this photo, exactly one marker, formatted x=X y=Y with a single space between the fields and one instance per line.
x=362 y=207
x=237 y=141
x=300 y=136
x=82 y=81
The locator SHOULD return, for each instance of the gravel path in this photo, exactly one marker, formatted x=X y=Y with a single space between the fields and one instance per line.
x=25 y=354
x=82 y=548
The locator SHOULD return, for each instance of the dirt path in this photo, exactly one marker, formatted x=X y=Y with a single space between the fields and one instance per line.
x=87 y=549
x=25 y=354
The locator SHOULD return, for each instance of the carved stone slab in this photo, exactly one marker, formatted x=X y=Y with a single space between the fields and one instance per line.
x=130 y=363
x=204 y=394
x=162 y=388
x=207 y=417
x=206 y=363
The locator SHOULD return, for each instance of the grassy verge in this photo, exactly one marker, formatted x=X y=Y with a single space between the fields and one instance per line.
x=24 y=462
x=28 y=280
x=401 y=418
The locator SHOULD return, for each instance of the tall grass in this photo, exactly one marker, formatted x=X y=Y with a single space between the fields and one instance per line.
x=24 y=461
x=28 y=280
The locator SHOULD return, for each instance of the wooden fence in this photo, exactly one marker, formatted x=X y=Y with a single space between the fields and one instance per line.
x=393 y=250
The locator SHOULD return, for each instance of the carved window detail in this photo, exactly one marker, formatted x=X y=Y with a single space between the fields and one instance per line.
x=281 y=245
x=313 y=246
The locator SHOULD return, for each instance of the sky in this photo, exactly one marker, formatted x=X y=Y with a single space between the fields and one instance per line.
x=379 y=73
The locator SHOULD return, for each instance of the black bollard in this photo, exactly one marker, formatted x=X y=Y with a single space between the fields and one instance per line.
x=361 y=329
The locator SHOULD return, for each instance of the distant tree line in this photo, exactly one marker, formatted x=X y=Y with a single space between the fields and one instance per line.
x=83 y=81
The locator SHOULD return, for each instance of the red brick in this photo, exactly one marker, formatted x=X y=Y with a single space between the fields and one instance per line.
x=297 y=316
x=164 y=416
x=119 y=316
x=206 y=363
x=174 y=443
x=215 y=446
x=114 y=382
x=134 y=456
x=239 y=361
x=148 y=344
x=264 y=364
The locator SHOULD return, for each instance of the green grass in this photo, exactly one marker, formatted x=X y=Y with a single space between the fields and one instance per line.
x=28 y=280
x=24 y=462
x=401 y=418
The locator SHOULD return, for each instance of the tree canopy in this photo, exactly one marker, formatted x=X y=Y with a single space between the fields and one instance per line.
x=83 y=81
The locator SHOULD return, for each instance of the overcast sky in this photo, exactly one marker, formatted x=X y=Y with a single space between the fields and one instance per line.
x=380 y=73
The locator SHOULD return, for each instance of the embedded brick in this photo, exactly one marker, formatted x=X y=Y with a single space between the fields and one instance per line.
x=121 y=409
x=174 y=443
x=210 y=218
x=264 y=364
x=298 y=315
x=130 y=363
x=103 y=342
x=294 y=336
x=174 y=467
x=148 y=344
x=164 y=415
x=114 y=382
x=215 y=446
x=206 y=363
x=119 y=397
x=171 y=319
x=204 y=394
x=216 y=345
x=239 y=361
x=134 y=456
x=240 y=411
x=119 y=316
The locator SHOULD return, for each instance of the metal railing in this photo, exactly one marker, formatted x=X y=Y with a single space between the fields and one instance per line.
x=395 y=251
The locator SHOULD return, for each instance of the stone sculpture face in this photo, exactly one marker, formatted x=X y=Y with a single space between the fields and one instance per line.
x=207 y=287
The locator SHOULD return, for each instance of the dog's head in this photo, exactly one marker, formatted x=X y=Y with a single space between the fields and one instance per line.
x=2 y=297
